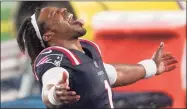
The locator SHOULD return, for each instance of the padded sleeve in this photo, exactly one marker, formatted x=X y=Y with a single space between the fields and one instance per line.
x=111 y=72
x=54 y=75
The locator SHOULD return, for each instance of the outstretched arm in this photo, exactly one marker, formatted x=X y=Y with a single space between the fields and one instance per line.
x=128 y=74
x=160 y=63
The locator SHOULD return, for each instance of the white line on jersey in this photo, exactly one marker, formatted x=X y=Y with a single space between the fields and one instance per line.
x=47 y=52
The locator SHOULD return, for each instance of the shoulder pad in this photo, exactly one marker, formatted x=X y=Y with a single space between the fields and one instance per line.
x=54 y=55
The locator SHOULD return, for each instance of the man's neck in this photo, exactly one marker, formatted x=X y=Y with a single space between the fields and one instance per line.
x=69 y=44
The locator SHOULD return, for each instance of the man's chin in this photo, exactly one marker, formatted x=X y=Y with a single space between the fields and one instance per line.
x=79 y=34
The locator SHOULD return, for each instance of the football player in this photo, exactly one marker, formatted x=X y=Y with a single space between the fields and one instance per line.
x=70 y=70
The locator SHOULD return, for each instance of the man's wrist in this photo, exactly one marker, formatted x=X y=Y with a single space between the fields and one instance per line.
x=150 y=67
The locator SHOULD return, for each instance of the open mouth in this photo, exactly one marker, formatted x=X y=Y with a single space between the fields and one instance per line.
x=71 y=21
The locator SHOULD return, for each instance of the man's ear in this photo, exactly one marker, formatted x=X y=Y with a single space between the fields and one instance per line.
x=48 y=36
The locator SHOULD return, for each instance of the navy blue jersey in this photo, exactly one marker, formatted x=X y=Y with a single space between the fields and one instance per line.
x=87 y=75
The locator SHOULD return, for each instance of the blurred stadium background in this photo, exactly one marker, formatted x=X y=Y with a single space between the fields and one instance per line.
x=133 y=30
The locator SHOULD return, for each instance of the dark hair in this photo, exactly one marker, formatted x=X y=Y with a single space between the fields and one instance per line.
x=27 y=38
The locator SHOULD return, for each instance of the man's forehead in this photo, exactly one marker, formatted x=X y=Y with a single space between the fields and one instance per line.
x=49 y=9
x=45 y=12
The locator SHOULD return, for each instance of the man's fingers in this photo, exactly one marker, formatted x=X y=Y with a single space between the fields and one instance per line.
x=168 y=57
x=75 y=100
x=166 y=54
x=64 y=78
x=62 y=87
x=65 y=93
x=169 y=68
x=69 y=98
x=70 y=93
x=161 y=47
x=69 y=101
x=159 y=51
x=171 y=61
x=59 y=93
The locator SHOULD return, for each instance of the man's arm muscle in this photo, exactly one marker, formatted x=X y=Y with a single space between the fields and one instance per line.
x=128 y=74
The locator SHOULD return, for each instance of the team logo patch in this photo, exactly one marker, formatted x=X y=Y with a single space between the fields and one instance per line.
x=54 y=59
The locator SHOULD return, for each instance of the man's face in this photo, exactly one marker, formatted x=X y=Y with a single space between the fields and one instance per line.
x=62 y=23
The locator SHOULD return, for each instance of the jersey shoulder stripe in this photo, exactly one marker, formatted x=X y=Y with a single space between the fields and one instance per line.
x=92 y=44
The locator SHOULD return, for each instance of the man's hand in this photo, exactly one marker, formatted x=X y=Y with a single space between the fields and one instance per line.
x=164 y=60
x=63 y=93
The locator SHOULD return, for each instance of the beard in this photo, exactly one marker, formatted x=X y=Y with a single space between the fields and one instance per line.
x=79 y=33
